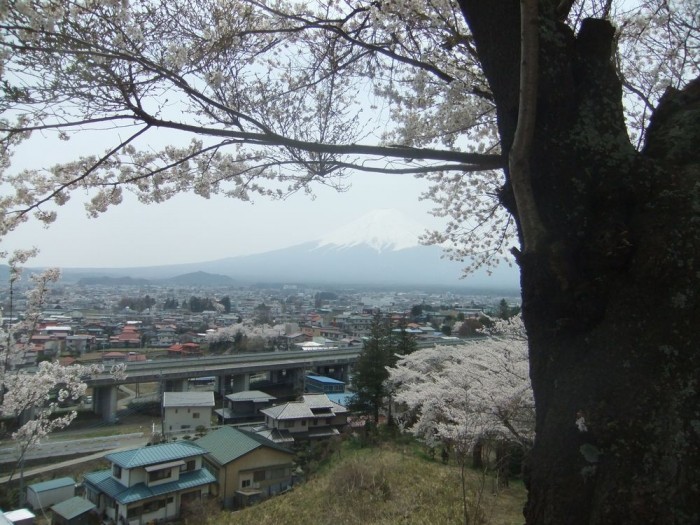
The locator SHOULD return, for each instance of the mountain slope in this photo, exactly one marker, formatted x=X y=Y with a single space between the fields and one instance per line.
x=380 y=248
x=381 y=230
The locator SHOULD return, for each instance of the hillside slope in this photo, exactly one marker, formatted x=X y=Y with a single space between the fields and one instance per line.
x=380 y=486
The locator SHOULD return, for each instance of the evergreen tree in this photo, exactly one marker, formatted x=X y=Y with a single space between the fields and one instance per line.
x=370 y=371
x=403 y=343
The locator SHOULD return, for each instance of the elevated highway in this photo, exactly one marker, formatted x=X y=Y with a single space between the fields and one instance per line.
x=232 y=372
x=190 y=368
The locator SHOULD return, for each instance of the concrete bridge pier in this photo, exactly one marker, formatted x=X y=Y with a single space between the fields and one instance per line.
x=222 y=384
x=297 y=378
x=241 y=382
x=104 y=402
x=278 y=377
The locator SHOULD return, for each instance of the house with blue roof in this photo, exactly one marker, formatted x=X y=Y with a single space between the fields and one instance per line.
x=248 y=467
x=317 y=384
x=149 y=483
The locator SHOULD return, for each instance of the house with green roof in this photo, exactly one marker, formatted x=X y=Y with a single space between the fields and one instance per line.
x=248 y=467
x=149 y=483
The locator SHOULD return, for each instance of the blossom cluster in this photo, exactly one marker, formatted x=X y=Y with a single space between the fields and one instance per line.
x=280 y=96
x=459 y=394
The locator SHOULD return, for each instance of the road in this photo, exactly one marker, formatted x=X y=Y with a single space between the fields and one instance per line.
x=56 y=448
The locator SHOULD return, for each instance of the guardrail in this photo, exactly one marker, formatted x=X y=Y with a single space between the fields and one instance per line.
x=182 y=368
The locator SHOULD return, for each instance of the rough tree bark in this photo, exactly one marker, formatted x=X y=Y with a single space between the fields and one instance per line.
x=610 y=298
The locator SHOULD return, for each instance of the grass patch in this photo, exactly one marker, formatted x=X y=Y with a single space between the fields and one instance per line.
x=384 y=485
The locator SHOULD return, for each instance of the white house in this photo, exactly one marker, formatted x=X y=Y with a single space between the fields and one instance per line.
x=184 y=411
x=314 y=416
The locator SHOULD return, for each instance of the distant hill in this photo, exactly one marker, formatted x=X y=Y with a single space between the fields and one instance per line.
x=112 y=281
x=189 y=279
x=381 y=248
x=200 y=279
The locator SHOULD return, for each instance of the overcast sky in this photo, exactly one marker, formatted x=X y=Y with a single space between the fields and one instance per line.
x=190 y=229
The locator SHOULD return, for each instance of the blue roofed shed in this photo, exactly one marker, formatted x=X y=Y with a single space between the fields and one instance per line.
x=323 y=384
x=74 y=511
x=43 y=495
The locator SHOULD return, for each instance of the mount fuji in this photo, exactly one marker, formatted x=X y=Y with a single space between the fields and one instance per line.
x=380 y=248
x=381 y=230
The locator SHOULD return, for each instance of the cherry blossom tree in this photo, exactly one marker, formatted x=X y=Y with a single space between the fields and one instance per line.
x=568 y=128
x=463 y=396
x=33 y=395
x=464 y=393
x=248 y=329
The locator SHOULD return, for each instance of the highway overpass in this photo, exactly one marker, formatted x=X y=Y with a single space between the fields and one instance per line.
x=232 y=372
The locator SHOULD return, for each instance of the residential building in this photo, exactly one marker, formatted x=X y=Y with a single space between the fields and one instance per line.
x=185 y=350
x=314 y=416
x=246 y=406
x=247 y=466
x=149 y=483
x=130 y=337
x=187 y=410
x=316 y=384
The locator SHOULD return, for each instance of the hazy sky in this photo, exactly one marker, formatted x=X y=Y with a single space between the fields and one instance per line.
x=189 y=228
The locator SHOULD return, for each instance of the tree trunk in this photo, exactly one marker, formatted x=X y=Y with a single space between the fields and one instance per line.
x=610 y=300
x=477 y=457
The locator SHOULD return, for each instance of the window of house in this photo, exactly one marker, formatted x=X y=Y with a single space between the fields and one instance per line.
x=288 y=424
x=245 y=483
x=187 y=467
x=133 y=512
x=116 y=471
x=170 y=500
x=195 y=415
x=278 y=473
x=153 y=506
x=303 y=422
x=259 y=475
x=157 y=475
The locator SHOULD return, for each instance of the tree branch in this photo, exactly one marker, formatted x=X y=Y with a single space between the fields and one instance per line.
x=531 y=225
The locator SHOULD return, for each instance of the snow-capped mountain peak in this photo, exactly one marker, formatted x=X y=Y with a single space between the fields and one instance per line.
x=382 y=230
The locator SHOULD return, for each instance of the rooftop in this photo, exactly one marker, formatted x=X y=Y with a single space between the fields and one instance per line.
x=73 y=507
x=52 y=484
x=140 y=457
x=228 y=444
x=188 y=399
x=104 y=481
x=324 y=379
x=250 y=395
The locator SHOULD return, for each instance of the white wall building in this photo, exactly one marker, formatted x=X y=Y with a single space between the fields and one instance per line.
x=183 y=411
